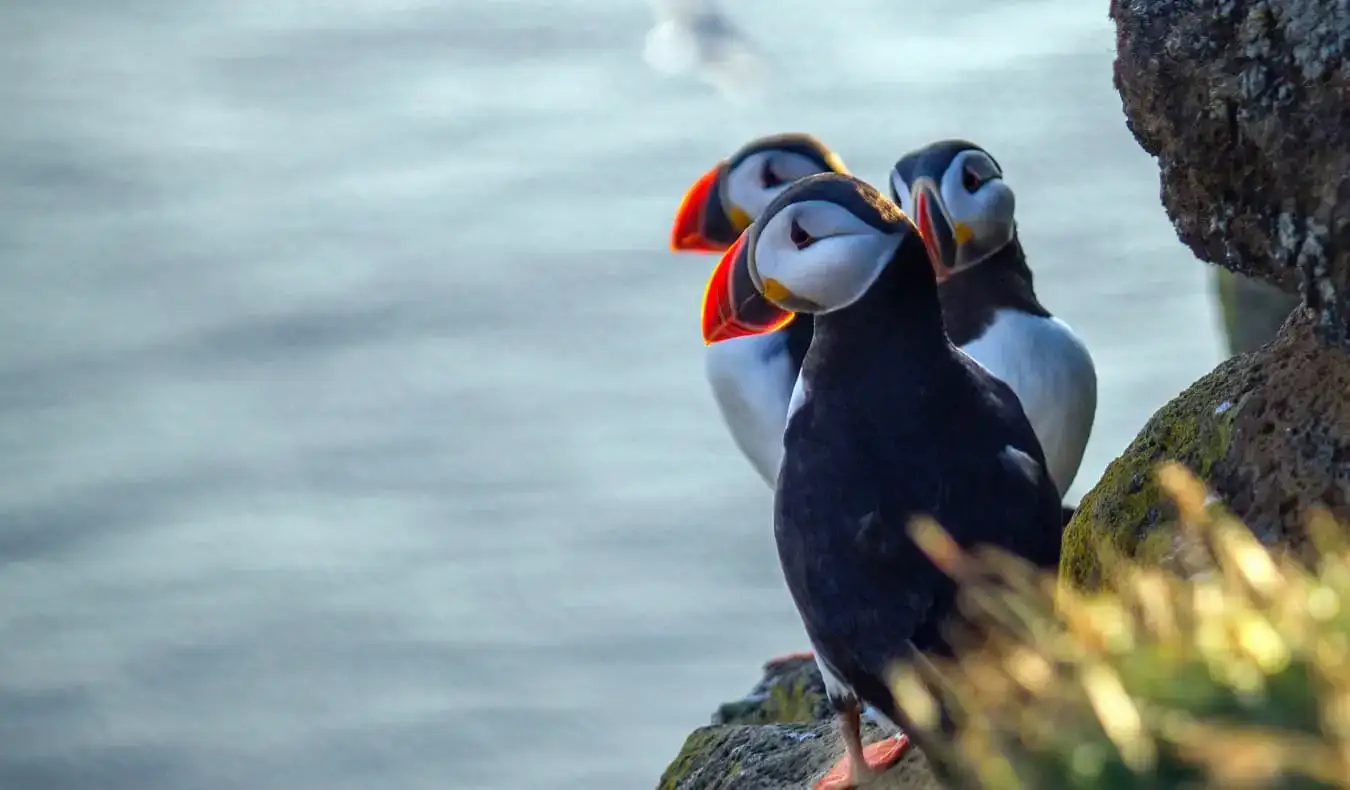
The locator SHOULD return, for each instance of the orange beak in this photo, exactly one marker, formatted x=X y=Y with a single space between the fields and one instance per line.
x=732 y=305
x=923 y=218
x=690 y=233
x=941 y=237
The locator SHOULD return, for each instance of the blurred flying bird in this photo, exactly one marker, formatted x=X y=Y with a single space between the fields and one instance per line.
x=696 y=36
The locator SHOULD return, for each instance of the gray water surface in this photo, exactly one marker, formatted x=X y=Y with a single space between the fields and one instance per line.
x=352 y=424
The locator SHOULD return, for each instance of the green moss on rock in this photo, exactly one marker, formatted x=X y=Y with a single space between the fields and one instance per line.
x=779 y=756
x=693 y=756
x=750 y=756
x=1126 y=510
x=791 y=692
x=782 y=735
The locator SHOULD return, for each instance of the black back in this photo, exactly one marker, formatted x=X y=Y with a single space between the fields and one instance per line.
x=897 y=423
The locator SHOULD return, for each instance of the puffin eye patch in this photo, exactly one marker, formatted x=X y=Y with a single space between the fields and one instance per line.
x=970 y=180
x=976 y=171
x=767 y=176
x=799 y=237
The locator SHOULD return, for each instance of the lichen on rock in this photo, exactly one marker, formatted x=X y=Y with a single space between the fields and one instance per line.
x=1127 y=507
x=791 y=692
x=778 y=757
x=1268 y=431
x=781 y=735
x=1246 y=105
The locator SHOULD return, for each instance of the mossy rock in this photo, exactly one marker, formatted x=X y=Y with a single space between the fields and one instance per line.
x=1126 y=511
x=779 y=757
x=781 y=735
x=1268 y=432
x=791 y=692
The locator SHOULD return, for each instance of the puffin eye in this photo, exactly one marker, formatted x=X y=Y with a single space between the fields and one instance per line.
x=970 y=180
x=799 y=237
x=767 y=177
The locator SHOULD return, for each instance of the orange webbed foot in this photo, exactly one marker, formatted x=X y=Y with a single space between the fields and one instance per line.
x=879 y=757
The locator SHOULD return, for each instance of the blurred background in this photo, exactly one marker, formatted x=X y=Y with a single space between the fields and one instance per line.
x=353 y=424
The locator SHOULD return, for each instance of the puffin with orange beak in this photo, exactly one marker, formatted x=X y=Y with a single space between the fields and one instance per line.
x=725 y=200
x=956 y=194
x=752 y=377
x=889 y=422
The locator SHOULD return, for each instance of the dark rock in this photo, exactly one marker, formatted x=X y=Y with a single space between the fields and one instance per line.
x=1268 y=431
x=1246 y=105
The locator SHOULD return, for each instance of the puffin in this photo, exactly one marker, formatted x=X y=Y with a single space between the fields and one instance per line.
x=955 y=192
x=751 y=377
x=890 y=421
x=991 y=312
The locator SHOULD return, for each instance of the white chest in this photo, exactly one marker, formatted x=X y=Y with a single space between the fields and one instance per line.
x=752 y=382
x=1052 y=374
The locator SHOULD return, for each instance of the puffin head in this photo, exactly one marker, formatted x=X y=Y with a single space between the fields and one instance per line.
x=723 y=201
x=817 y=248
x=955 y=192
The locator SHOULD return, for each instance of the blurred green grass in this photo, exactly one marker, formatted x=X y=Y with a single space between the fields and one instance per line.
x=1231 y=670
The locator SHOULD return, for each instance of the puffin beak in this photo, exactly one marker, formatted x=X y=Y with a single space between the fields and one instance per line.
x=732 y=306
x=940 y=237
x=702 y=223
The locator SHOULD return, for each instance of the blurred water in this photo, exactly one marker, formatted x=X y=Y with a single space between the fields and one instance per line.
x=352 y=423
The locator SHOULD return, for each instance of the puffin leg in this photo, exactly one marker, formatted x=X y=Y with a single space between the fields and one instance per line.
x=859 y=764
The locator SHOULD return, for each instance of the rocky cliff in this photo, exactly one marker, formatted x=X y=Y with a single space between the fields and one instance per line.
x=1246 y=105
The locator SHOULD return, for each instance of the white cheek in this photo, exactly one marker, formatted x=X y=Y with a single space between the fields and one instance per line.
x=989 y=211
x=753 y=198
x=745 y=195
x=834 y=272
x=766 y=196
x=1005 y=202
x=961 y=205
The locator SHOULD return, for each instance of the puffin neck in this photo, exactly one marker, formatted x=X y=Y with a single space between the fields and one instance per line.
x=799 y=334
x=1009 y=264
x=972 y=297
x=901 y=309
